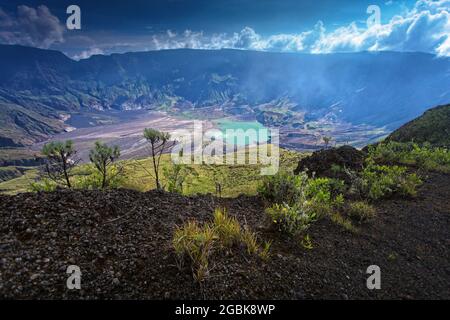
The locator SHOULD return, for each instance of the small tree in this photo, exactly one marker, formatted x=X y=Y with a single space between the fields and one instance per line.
x=60 y=161
x=158 y=144
x=103 y=157
x=326 y=140
x=175 y=176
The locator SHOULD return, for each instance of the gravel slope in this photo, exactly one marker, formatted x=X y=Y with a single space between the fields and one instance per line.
x=121 y=240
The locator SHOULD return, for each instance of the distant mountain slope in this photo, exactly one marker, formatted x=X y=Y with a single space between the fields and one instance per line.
x=381 y=89
x=433 y=127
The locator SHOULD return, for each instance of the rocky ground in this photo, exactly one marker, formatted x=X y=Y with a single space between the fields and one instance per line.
x=323 y=163
x=121 y=240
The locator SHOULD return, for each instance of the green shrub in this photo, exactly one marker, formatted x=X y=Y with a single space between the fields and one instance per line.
x=92 y=179
x=291 y=219
x=387 y=153
x=103 y=158
x=361 y=211
x=175 y=176
x=60 y=161
x=283 y=187
x=319 y=194
x=380 y=181
x=436 y=159
x=335 y=168
x=44 y=185
x=423 y=156
x=294 y=189
x=319 y=189
x=300 y=200
x=336 y=187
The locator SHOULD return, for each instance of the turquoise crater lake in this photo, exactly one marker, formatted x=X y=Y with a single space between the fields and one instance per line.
x=260 y=132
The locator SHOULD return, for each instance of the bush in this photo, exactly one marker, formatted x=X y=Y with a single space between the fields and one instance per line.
x=91 y=179
x=387 y=153
x=44 y=185
x=426 y=157
x=283 y=187
x=291 y=219
x=103 y=158
x=300 y=200
x=175 y=176
x=319 y=189
x=293 y=189
x=381 y=181
x=423 y=156
x=60 y=161
x=361 y=211
x=319 y=194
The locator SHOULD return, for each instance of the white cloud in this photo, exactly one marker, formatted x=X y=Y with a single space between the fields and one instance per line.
x=247 y=38
x=88 y=53
x=29 y=26
x=424 y=28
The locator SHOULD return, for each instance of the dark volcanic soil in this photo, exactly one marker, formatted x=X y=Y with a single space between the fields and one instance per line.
x=321 y=162
x=121 y=240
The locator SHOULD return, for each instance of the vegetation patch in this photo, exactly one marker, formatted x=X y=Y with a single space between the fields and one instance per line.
x=20 y=184
x=138 y=175
x=432 y=127
x=422 y=156
x=345 y=223
x=283 y=187
x=380 y=181
x=9 y=173
x=195 y=243
x=297 y=200
x=361 y=211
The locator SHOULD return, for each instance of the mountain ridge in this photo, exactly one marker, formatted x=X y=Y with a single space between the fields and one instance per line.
x=278 y=89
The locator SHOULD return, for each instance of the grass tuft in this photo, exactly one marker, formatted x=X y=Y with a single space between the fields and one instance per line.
x=361 y=211
x=195 y=243
x=343 y=222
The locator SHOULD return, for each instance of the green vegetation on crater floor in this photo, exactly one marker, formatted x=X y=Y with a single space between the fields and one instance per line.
x=200 y=179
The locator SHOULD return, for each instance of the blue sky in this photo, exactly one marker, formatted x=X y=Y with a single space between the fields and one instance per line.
x=319 y=26
x=267 y=16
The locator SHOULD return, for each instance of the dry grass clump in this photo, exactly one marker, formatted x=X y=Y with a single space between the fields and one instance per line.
x=195 y=242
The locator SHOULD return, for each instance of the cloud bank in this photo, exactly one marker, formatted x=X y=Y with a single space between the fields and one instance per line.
x=424 y=28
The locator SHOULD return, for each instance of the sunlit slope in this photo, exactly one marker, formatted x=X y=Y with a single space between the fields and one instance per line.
x=200 y=179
